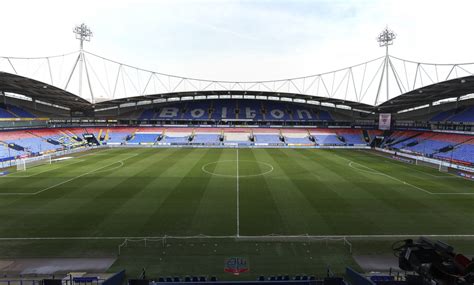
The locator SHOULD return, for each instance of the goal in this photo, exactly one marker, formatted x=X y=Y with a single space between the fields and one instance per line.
x=439 y=165
x=27 y=163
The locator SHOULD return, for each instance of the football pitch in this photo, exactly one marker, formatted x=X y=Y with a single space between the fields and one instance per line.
x=284 y=210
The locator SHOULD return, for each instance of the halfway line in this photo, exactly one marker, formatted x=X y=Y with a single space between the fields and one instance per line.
x=238 y=207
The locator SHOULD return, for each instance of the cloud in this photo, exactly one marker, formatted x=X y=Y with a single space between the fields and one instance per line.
x=241 y=40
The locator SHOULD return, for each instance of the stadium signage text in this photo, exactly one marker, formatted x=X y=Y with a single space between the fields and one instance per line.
x=236 y=265
x=466 y=175
x=229 y=113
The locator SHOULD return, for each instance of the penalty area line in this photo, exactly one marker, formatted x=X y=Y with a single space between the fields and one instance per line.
x=61 y=165
x=373 y=171
x=69 y=180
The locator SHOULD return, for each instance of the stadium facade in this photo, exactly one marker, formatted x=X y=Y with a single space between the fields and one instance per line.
x=44 y=109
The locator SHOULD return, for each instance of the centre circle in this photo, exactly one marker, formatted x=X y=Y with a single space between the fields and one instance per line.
x=234 y=168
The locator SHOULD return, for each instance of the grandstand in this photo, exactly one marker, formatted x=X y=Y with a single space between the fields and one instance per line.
x=280 y=181
x=11 y=111
x=218 y=110
x=462 y=115
x=290 y=162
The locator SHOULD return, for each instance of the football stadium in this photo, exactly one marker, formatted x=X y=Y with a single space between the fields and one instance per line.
x=110 y=173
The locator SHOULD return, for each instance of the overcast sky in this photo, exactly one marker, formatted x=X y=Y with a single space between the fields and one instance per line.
x=241 y=40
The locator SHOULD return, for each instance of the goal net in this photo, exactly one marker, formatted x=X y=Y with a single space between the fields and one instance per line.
x=440 y=166
x=27 y=163
x=443 y=168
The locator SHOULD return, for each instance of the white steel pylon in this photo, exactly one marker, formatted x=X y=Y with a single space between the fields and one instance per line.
x=372 y=82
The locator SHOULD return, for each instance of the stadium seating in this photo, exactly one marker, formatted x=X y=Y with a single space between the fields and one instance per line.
x=206 y=139
x=432 y=144
x=250 y=110
x=463 y=152
x=28 y=141
x=7 y=153
x=299 y=113
x=176 y=140
x=19 y=112
x=439 y=145
x=427 y=146
x=373 y=133
x=11 y=111
x=267 y=139
x=55 y=136
x=256 y=110
x=305 y=140
x=171 y=112
x=398 y=139
x=4 y=114
x=196 y=110
x=148 y=114
x=297 y=137
x=352 y=137
x=117 y=137
x=237 y=137
x=223 y=109
x=327 y=139
x=442 y=116
x=324 y=115
x=458 y=115
x=34 y=144
x=148 y=138
x=465 y=116
x=276 y=111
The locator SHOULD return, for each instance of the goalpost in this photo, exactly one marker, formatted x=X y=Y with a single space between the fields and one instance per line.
x=23 y=164
x=440 y=166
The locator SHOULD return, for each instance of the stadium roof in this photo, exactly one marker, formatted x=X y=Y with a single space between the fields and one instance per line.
x=366 y=86
x=41 y=91
x=446 y=89
x=47 y=93
x=265 y=95
x=428 y=94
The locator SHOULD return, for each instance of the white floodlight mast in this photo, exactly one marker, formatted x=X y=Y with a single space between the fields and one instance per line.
x=83 y=33
x=385 y=39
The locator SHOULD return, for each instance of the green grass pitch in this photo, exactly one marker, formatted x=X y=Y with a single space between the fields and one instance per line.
x=87 y=205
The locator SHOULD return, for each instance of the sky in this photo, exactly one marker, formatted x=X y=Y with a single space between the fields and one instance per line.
x=241 y=40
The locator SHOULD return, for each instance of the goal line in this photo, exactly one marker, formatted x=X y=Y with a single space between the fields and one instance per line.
x=346 y=239
x=28 y=163
x=268 y=238
x=146 y=240
x=242 y=237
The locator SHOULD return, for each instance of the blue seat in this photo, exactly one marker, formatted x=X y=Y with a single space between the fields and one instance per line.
x=250 y=110
x=276 y=111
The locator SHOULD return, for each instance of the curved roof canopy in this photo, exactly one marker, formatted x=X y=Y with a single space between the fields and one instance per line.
x=51 y=94
x=41 y=91
x=453 y=88
x=385 y=84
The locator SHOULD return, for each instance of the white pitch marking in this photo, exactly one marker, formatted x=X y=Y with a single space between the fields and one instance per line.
x=390 y=160
x=99 y=152
x=302 y=236
x=69 y=180
x=373 y=171
x=34 y=174
x=203 y=168
x=121 y=164
x=389 y=176
x=238 y=196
